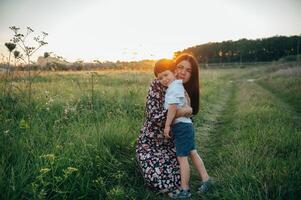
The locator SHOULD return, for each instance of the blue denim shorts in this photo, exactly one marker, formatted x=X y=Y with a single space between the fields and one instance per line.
x=183 y=137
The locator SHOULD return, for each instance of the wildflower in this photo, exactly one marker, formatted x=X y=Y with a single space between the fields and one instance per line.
x=29 y=50
x=16 y=39
x=29 y=29
x=116 y=192
x=14 y=28
x=70 y=170
x=50 y=157
x=44 y=170
x=46 y=54
x=19 y=35
x=44 y=33
x=10 y=46
x=16 y=54
x=37 y=38
x=118 y=175
x=99 y=182
x=23 y=124
x=42 y=43
x=59 y=146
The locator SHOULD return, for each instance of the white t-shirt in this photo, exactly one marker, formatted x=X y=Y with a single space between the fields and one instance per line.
x=175 y=94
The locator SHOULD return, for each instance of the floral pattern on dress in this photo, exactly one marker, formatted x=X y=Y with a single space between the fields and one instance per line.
x=155 y=154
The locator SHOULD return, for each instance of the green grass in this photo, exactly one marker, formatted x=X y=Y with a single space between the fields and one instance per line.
x=287 y=89
x=259 y=158
x=81 y=144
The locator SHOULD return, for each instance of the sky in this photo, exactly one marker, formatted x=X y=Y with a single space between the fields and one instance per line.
x=111 y=30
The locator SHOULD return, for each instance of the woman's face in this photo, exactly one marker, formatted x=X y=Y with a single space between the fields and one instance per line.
x=183 y=71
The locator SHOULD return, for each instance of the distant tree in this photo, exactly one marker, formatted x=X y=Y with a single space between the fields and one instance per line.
x=244 y=50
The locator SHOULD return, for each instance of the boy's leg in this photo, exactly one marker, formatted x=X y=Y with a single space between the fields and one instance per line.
x=199 y=165
x=184 y=171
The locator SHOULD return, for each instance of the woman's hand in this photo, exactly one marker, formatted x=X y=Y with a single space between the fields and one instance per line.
x=185 y=111
x=167 y=132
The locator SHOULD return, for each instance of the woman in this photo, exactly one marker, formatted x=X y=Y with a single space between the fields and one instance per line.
x=155 y=154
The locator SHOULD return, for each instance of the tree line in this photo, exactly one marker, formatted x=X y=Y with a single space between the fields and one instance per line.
x=246 y=50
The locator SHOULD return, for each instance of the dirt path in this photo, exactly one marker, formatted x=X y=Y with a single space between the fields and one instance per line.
x=215 y=134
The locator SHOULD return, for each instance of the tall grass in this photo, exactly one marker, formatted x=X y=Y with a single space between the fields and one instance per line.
x=82 y=140
x=255 y=149
x=285 y=84
x=73 y=151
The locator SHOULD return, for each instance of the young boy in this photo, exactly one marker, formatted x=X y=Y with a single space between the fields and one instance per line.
x=182 y=127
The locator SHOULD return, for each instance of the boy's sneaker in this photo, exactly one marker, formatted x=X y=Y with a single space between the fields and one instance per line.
x=180 y=194
x=206 y=186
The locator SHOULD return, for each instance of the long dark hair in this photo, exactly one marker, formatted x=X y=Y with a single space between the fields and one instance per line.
x=192 y=86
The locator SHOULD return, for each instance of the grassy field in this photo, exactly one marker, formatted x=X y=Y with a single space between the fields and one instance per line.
x=79 y=142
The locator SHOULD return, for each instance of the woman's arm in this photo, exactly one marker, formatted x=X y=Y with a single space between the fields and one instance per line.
x=185 y=111
x=172 y=109
x=155 y=111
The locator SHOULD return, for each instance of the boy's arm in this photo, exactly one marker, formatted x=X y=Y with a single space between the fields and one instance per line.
x=171 y=113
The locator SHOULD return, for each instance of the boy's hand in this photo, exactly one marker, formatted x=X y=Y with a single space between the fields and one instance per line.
x=167 y=131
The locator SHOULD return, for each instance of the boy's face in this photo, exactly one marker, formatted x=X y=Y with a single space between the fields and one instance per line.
x=166 y=77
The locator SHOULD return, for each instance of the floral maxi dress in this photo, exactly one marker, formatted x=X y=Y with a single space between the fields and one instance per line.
x=155 y=154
